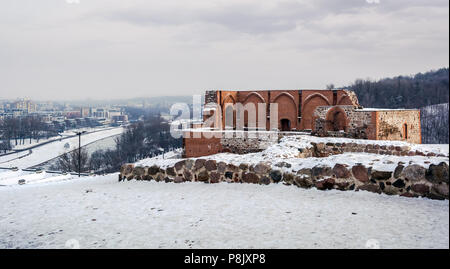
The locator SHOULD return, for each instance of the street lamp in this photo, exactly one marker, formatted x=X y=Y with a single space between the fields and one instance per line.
x=79 y=151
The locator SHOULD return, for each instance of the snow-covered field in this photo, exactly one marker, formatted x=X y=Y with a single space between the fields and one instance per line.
x=100 y=212
x=9 y=177
x=56 y=148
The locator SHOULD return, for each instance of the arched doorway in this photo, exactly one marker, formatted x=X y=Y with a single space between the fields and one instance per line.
x=336 y=120
x=287 y=111
x=285 y=125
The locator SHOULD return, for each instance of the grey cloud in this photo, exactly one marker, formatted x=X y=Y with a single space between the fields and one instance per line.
x=126 y=48
x=251 y=18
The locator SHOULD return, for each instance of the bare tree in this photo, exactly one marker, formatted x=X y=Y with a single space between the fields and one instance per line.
x=68 y=162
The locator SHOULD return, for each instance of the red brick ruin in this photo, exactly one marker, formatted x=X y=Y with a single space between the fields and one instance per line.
x=334 y=113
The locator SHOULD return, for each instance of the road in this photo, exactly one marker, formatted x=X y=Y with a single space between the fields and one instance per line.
x=38 y=154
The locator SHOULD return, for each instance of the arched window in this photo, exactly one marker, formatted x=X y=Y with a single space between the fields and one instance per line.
x=229 y=116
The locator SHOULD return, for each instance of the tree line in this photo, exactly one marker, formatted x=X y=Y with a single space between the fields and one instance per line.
x=422 y=89
x=140 y=140
x=16 y=130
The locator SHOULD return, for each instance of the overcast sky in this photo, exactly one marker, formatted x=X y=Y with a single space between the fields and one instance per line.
x=102 y=49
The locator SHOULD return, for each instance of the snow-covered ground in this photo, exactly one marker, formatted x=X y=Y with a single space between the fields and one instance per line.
x=100 y=212
x=56 y=148
x=8 y=177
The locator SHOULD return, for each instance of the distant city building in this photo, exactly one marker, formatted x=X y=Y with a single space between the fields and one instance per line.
x=73 y=114
x=19 y=107
x=85 y=112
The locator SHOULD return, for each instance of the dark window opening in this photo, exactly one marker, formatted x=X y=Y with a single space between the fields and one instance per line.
x=406 y=130
x=285 y=125
x=334 y=98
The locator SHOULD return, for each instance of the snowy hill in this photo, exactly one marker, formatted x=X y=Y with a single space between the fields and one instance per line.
x=434 y=124
x=99 y=212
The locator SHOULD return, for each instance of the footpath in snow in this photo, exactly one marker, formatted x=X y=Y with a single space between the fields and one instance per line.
x=99 y=212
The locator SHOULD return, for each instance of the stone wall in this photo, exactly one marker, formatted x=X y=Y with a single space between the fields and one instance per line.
x=327 y=149
x=359 y=124
x=210 y=97
x=198 y=147
x=243 y=142
x=406 y=180
x=227 y=141
x=399 y=125
x=376 y=124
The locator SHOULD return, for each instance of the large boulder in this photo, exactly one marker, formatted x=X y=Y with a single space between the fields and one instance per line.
x=264 y=180
x=187 y=175
x=232 y=167
x=420 y=188
x=221 y=166
x=441 y=190
x=153 y=170
x=342 y=186
x=370 y=187
x=275 y=175
x=243 y=167
x=288 y=178
x=305 y=171
x=178 y=180
x=261 y=168
x=189 y=164
x=303 y=181
x=340 y=171
x=413 y=173
x=211 y=165
x=179 y=165
x=203 y=176
x=361 y=173
x=380 y=175
x=139 y=171
x=127 y=169
x=250 y=178
x=437 y=173
x=199 y=163
x=214 y=177
x=319 y=172
x=398 y=171
x=326 y=184
x=171 y=171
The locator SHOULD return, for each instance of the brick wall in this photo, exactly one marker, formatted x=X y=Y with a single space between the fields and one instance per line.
x=399 y=125
x=202 y=146
x=289 y=103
